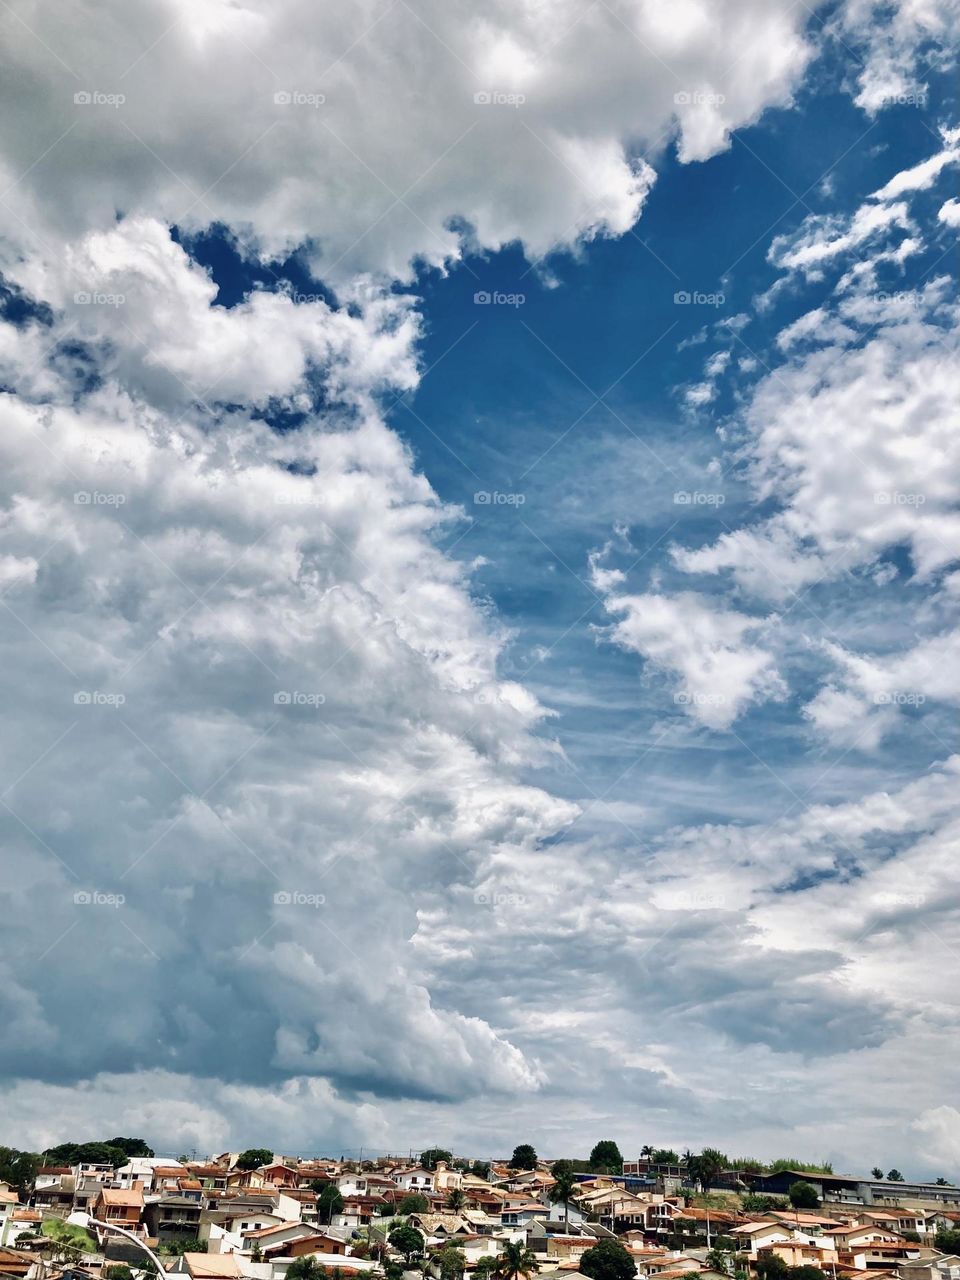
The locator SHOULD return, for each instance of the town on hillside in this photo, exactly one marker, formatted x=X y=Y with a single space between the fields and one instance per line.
x=114 y=1210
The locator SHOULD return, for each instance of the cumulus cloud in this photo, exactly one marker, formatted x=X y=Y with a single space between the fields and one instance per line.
x=291 y=700
x=859 y=450
x=900 y=43
x=367 y=132
x=706 y=647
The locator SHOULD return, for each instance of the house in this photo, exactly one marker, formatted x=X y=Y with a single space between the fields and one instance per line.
x=16 y=1263
x=121 y=1207
x=415 y=1179
x=521 y=1214
x=319 y=1244
x=943 y=1266
x=754 y=1236
x=279 y=1175
x=441 y=1226
x=359 y=1211
x=171 y=1218
x=8 y=1203
x=57 y=1194
x=21 y=1224
x=445 y=1179
x=278 y=1234
x=148 y=1171
x=797 y=1253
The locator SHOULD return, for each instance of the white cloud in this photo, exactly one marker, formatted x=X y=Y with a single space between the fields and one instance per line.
x=823 y=238
x=899 y=41
x=374 y=174
x=285 y=687
x=860 y=452
x=706 y=647
x=922 y=176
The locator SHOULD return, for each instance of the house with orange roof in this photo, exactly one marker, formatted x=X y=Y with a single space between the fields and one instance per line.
x=120 y=1206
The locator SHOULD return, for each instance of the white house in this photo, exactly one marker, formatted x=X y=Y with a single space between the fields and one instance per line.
x=415 y=1179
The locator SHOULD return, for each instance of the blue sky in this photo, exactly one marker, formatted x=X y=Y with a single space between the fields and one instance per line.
x=481 y=597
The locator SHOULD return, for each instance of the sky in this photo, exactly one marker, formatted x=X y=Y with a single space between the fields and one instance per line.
x=480 y=641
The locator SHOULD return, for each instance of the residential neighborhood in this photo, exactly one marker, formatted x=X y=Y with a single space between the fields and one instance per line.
x=263 y=1215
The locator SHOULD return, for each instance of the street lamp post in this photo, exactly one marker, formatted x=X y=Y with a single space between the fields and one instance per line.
x=81 y=1219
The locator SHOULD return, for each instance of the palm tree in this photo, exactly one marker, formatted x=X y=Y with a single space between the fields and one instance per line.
x=561 y=1191
x=456 y=1199
x=517 y=1262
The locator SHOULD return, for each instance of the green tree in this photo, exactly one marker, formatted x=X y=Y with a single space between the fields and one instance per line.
x=416 y=1203
x=606 y=1158
x=256 y=1253
x=329 y=1201
x=770 y=1266
x=19 y=1168
x=254 y=1157
x=942 y=1182
x=754 y=1202
x=895 y=1176
x=805 y=1272
x=516 y=1262
x=480 y=1169
x=562 y=1190
x=524 y=1157
x=608 y=1260
x=406 y=1240
x=131 y=1147
x=120 y=1271
x=306 y=1268
x=947 y=1240
x=803 y=1195
x=181 y=1245
x=718 y=1259
x=876 y=1172
x=710 y=1164
x=451 y=1262
x=433 y=1155
x=456 y=1200
x=486 y=1266
x=664 y=1155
